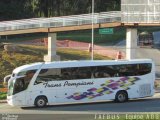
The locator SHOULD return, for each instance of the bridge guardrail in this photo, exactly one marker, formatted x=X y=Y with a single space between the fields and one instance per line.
x=73 y=20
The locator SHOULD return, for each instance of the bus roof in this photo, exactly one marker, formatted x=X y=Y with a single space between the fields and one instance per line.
x=28 y=67
x=60 y=64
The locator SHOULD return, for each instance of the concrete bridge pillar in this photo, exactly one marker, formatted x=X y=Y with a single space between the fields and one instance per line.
x=52 y=56
x=131 y=43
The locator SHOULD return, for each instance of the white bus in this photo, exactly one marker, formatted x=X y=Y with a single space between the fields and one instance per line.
x=80 y=82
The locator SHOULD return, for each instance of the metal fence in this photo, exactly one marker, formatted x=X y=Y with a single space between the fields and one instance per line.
x=73 y=20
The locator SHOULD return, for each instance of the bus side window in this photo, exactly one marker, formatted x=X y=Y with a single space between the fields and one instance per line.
x=84 y=72
x=101 y=72
x=66 y=74
x=95 y=72
x=75 y=73
x=48 y=75
x=144 y=68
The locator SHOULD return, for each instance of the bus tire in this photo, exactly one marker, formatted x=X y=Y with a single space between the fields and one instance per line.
x=121 y=96
x=40 y=101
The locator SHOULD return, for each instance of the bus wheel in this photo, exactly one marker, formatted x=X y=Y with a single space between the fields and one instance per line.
x=41 y=101
x=121 y=96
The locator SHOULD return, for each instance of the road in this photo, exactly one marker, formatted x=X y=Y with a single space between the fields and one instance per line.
x=88 y=110
x=141 y=105
x=151 y=53
x=143 y=53
x=154 y=54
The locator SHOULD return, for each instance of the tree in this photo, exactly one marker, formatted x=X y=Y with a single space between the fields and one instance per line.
x=15 y=9
x=20 y=9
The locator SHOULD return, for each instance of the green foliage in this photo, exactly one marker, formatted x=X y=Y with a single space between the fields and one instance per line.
x=9 y=62
x=15 y=9
x=85 y=36
x=1 y=86
x=3 y=95
x=33 y=54
x=148 y=29
x=20 y=9
x=70 y=54
x=82 y=35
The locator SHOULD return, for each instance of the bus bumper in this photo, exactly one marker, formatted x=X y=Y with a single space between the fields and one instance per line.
x=14 y=101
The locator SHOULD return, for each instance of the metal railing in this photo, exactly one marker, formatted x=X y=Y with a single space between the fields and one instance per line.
x=73 y=20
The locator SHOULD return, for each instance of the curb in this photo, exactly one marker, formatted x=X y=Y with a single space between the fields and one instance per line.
x=3 y=101
x=156 y=95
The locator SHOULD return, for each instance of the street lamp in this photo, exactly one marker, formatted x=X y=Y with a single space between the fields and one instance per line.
x=92 y=48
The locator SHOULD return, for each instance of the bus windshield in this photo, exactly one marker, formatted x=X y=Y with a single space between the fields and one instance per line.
x=16 y=86
x=10 y=87
x=21 y=83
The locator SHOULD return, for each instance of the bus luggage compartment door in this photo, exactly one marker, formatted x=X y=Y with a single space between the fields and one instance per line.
x=145 y=90
x=61 y=95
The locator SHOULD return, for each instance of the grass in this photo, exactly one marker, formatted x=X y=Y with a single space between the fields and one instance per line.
x=71 y=54
x=81 y=35
x=1 y=86
x=22 y=37
x=3 y=95
x=85 y=36
x=33 y=54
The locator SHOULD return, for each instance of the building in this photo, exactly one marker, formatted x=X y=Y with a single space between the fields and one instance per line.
x=140 y=11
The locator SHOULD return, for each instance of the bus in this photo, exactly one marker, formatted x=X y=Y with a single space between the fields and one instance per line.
x=67 y=82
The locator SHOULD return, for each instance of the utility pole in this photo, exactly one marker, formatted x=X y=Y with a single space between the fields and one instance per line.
x=92 y=54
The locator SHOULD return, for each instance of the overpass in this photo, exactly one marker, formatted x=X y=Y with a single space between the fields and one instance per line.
x=57 y=24
x=76 y=22
x=63 y=23
x=69 y=23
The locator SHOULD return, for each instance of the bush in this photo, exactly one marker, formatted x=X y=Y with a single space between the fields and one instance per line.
x=156 y=84
x=33 y=54
x=10 y=62
x=1 y=86
x=3 y=96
